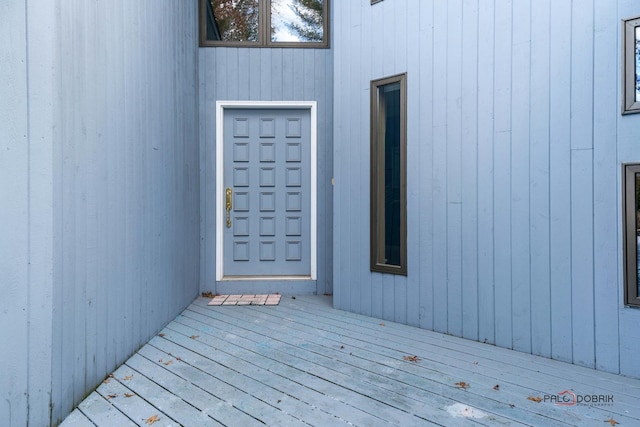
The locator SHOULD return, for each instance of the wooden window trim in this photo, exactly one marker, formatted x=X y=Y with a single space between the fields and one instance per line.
x=629 y=103
x=377 y=266
x=264 y=22
x=629 y=233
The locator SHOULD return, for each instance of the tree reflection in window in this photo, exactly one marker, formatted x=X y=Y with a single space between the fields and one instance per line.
x=234 y=20
x=297 y=20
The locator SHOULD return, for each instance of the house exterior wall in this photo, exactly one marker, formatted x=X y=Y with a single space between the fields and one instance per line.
x=99 y=166
x=266 y=74
x=515 y=140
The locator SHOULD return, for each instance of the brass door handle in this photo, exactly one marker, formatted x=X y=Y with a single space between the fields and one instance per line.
x=229 y=205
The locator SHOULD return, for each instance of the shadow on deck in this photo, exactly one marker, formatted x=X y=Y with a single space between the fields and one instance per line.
x=304 y=363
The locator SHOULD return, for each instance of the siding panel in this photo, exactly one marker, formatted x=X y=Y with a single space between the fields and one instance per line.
x=520 y=193
x=605 y=178
x=539 y=185
x=559 y=177
x=469 y=173
x=14 y=193
x=485 y=113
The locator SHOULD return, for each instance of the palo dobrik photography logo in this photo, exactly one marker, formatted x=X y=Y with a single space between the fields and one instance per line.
x=569 y=398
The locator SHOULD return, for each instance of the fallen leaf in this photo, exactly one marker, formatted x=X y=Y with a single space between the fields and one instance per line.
x=411 y=358
x=611 y=421
x=193 y=337
x=536 y=399
x=382 y=324
x=496 y=387
x=511 y=405
x=279 y=400
x=168 y=362
x=152 y=420
x=128 y=378
x=112 y=396
x=161 y=361
x=463 y=385
x=178 y=359
x=208 y=295
x=161 y=335
x=106 y=380
x=128 y=395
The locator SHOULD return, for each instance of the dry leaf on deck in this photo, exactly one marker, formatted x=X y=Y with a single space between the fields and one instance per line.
x=496 y=387
x=112 y=396
x=161 y=335
x=208 y=295
x=193 y=337
x=462 y=385
x=612 y=421
x=382 y=324
x=536 y=399
x=411 y=358
x=168 y=362
x=129 y=395
x=152 y=420
x=128 y=378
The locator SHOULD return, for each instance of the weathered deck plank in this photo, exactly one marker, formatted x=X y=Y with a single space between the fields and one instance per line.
x=304 y=363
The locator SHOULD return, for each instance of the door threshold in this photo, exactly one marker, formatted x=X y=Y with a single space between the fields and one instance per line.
x=264 y=278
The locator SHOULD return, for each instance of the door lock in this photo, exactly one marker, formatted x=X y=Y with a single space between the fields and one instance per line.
x=229 y=205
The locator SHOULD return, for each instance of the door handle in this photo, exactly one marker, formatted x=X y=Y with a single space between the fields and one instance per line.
x=229 y=205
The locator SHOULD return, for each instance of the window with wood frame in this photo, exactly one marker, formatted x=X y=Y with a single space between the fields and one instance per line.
x=631 y=232
x=264 y=23
x=389 y=175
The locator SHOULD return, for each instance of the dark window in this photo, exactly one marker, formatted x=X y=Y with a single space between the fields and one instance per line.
x=388 y=175
x=260 y=23
x=631 y=230
x=631 y=61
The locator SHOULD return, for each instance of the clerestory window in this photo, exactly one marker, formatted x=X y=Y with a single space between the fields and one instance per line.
x=264 y=23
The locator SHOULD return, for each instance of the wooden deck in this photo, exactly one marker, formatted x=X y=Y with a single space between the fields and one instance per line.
x=304 y=363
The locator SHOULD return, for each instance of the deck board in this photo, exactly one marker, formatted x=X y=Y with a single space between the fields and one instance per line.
x=304 y=363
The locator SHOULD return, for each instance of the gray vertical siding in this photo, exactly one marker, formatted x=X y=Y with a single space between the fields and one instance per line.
x=281 y=74
x=100 y=191
x=126 y=184
x=514 y=145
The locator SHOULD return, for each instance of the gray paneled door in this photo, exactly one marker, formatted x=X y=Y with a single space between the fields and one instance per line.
x=267 y=192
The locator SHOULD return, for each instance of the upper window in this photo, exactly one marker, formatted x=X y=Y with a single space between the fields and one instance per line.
x=631 y=88
x=264 y=23
x=389 y=175
x=631 y=230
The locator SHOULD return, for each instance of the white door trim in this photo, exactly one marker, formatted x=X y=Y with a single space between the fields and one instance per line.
x=220 y=108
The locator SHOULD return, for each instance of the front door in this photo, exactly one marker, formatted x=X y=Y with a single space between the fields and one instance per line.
x=266 y=227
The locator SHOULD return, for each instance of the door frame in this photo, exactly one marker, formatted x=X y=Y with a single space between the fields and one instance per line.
x=221 y=106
